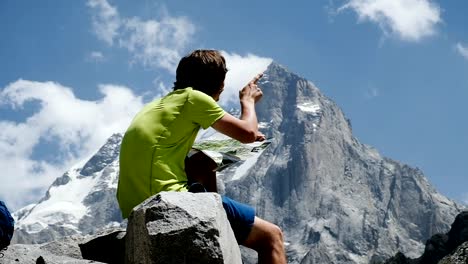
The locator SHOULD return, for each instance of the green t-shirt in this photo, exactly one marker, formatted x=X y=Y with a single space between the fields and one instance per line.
x=155 y=145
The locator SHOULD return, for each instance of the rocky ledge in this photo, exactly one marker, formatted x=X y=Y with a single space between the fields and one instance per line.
x=166 y=228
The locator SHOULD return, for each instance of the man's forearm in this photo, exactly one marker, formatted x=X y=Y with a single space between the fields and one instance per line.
x=248 y=114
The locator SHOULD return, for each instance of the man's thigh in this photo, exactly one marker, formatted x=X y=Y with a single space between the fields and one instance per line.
x=240 y=216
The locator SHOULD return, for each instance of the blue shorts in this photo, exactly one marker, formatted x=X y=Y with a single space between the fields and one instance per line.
x=240 y=216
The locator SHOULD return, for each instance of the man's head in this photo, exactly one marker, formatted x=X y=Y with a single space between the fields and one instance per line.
x=203 y=70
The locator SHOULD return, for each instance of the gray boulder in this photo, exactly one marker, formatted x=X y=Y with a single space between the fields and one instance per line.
x=41 y=253
x=459 y=256
x=181 y=227
x=451 y=247
x=107 y=246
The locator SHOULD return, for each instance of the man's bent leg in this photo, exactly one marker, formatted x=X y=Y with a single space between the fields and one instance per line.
x=255 y=233
x=267 y=239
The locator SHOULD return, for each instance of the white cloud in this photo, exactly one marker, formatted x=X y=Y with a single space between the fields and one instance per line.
x=463 y=50
x=161 y=88
x=76 y=127
x=96 y=56
x=157 y=43
x=410 y=20
x=152 y=43
x=106 y=20
x=241 y=71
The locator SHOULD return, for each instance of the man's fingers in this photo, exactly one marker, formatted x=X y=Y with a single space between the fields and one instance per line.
x=260 y=137
x=256 y=78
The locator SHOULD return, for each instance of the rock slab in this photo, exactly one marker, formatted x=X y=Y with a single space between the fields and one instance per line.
x=181 y=227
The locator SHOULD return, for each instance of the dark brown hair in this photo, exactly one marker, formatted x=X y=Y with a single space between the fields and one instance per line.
x=203 y=70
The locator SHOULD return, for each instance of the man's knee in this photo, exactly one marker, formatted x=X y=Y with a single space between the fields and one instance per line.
x=265 y=236
x=275 y=236
x=267 y=239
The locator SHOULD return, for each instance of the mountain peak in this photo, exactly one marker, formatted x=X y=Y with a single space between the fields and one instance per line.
x=105 y=156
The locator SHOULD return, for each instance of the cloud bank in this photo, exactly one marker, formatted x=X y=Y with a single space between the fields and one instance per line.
x=64 y=127
x=409 y=20
x=151 y=43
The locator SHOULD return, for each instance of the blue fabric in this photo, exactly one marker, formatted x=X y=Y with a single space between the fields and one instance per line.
x=6 y=226
x=240 y=216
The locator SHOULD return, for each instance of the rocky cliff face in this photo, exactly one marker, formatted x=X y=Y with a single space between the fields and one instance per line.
x=337 y=200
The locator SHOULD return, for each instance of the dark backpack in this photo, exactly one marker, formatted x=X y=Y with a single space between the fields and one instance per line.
x=6 y=226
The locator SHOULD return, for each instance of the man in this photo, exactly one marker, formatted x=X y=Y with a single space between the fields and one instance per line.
x=155 y=146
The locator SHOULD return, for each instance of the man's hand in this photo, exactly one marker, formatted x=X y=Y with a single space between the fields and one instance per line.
x=245 y=128
x=251 y=91
x=260 y=136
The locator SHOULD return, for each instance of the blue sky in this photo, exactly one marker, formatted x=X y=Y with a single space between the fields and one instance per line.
x=74 y=72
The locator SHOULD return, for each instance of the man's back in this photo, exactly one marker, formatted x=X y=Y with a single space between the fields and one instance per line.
x=155 y=145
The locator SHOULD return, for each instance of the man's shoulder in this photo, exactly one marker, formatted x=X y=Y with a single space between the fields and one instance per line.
x=198 y=95
x=184 y=95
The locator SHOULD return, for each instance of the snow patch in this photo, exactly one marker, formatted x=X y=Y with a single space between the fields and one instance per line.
x=263 y=125
x=357 y=258
x=22 y=212
x=112 y=179
x=65 y=205
x=309 y=107
x=314 y=127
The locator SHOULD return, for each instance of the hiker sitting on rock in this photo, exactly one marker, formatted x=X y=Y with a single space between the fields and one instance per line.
x=154 y=149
